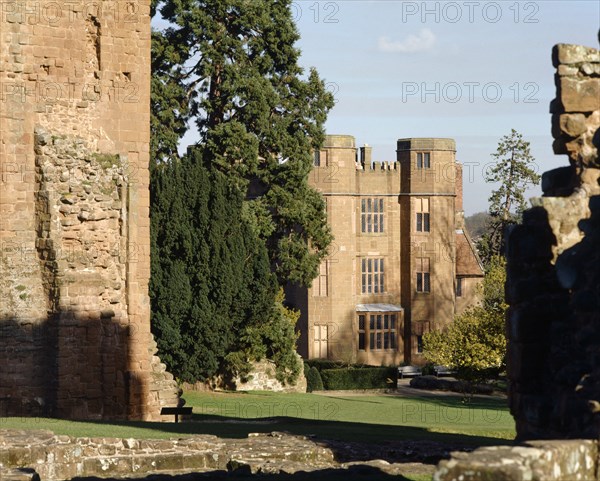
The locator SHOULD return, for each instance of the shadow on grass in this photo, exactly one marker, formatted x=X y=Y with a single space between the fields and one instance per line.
x=234 y=427
x=349 y=441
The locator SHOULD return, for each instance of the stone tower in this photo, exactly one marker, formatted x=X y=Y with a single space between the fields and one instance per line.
x=428 y=176
x=399 y=256
x=75 y=335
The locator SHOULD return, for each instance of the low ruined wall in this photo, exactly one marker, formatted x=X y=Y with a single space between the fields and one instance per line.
x=575 y=460
x=262 y=378
x=552 y=260
x=62 y=457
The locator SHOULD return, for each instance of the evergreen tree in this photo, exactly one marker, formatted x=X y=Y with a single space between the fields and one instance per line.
x=231 y=65
x=513 y=169
x=210 y=274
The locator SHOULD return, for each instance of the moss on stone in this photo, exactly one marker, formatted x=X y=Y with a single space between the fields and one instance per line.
x=106 y=161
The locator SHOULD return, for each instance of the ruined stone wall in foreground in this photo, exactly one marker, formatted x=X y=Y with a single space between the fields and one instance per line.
x=553 y=325
x=553 y=288
x=75 y=335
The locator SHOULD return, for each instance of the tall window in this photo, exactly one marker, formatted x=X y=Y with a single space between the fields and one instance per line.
x=377 y=331
x=420 y=344
x=320 y=158
x=422 y=268
x=371 y=215
x=459 y=287
x=422 y=209
x=320 y=283
x=372 y=276
x=423 y=160
x=418 y=329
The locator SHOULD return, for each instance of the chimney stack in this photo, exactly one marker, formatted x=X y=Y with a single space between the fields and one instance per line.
x=458 y=186
x=365 y=155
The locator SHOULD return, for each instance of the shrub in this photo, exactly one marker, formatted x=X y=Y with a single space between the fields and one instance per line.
x=363 y=378
x=428 y=369
x=313 y=380
x=321 y=364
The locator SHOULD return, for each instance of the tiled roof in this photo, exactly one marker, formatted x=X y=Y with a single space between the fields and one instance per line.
x=467 y=262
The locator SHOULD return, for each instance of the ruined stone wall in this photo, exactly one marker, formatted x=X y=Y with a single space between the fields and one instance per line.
x=553 y=326
x=75 y=335
x=263 y=378
x=575 y=460
x=64 y=457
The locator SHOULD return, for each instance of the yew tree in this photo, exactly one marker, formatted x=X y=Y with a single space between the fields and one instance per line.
x=230 y=68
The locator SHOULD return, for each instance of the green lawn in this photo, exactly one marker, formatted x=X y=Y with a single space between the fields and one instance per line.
x=358 y=418
x=366 y=417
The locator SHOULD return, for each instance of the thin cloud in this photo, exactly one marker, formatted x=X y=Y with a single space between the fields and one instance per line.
x=422 y=42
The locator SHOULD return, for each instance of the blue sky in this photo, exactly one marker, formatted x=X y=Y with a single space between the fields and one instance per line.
x=467 y=70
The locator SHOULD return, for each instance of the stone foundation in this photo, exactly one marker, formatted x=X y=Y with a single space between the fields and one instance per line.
x=61 y=457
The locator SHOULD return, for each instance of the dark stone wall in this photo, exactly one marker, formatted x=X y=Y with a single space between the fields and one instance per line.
x=553 y=271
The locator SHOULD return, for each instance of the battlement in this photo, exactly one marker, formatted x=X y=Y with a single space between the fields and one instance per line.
x=378 y=167
x=424 y=143
x=339 y=141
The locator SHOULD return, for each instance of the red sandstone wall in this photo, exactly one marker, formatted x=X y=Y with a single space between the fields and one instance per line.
x=74 y=235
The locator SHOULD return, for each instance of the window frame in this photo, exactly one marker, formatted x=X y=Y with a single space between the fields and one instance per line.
x=423 y=215
x=419 y=341
x=321 y=282
x=423 y=275
x=423 y=160
x=372 y=215
x=372 y=275
x=459 y=286
x=376 y=330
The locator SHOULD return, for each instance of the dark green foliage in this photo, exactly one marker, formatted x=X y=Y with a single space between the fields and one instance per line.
x=321 y=364
x=210 y=275
x=313 y=380
x=231 y=67
x=364 y=378
x=231 y=220
x=428 y=369
x=271 y=336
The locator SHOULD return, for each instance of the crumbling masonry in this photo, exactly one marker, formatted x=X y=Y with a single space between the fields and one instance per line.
x=553 y=288
x=75 y=335
x=553 y=325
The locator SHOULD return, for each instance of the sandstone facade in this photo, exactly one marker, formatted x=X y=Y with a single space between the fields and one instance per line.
x=401 y=262
x=75 y=335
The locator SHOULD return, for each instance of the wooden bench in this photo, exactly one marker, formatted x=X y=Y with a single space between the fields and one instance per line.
x=443 y=371
x=408 y=371
x=177 y=411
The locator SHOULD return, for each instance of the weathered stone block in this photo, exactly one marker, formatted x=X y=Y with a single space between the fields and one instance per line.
x=580 y=95
x=563 y=53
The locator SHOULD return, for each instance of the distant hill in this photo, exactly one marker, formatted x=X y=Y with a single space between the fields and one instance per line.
x=476 y=224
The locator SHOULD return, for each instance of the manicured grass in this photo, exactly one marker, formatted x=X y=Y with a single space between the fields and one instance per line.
x=354 y=418
x=365 y=417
